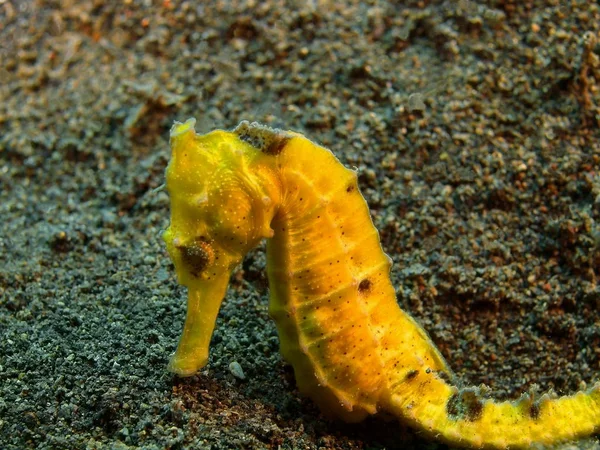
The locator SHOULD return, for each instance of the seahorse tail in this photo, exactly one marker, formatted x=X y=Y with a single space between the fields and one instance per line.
x=465 y=417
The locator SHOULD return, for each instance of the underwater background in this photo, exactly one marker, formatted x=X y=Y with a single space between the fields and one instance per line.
x=475 y=130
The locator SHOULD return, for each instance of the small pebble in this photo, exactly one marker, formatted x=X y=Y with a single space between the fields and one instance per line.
x=236 y=370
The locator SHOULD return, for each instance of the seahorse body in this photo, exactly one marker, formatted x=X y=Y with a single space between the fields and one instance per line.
x=354 y=351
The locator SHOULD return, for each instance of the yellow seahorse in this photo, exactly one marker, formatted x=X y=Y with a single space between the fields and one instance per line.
x=354 y=351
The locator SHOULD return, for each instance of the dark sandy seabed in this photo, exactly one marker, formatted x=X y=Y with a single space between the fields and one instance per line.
x=474 y=127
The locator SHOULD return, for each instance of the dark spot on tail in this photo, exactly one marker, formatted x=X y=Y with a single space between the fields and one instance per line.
x=411 y=375
x=262 y=137
x=465 y=405
x=350 y=188
x=364 y=285
x=534 y=411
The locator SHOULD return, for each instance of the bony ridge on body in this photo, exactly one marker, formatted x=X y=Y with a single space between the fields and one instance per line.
x=353 y=350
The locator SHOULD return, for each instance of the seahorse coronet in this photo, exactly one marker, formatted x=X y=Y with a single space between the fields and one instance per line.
x=353 y=349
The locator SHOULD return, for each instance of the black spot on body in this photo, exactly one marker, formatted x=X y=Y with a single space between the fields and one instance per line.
x=350 y=188
x=411 y=375
x=270 y=141
x=465 y=405
x=364 y=285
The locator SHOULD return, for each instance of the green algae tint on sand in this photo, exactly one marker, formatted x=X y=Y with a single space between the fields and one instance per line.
x=354 y=351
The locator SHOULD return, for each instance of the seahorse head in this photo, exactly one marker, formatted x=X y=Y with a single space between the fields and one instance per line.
x=219 y=207
x=223 y=198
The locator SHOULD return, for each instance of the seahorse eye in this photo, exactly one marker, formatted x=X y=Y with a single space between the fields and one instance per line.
x=197 y=255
